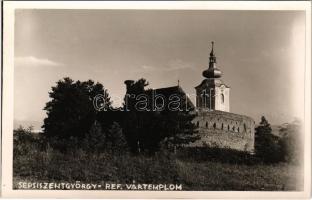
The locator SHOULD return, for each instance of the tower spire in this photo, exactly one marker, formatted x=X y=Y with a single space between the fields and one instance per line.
x=212 y=58
x=212 y=71
x=211 y=53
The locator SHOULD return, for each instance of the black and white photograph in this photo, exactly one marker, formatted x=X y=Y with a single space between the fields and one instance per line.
x=157 y=99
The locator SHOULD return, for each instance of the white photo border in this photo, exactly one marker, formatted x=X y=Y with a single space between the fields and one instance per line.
x=8 y=80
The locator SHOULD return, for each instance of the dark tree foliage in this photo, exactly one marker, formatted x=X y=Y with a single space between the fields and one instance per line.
x=145 y=130
x=133 y=90
x=267 y=145
x=95 y=139
x=72 y=118
x=111 y=139
x=290 y=142
x=115 y=139
x=70 y=112
x=183 y=131
x=132 y=122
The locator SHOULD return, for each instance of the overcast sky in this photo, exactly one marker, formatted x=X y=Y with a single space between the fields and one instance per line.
x=261 y=54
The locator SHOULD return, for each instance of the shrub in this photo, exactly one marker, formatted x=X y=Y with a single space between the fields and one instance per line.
x=223 y=155
x=24 y=140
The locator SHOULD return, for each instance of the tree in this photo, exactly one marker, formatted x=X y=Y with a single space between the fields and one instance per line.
x=95 y=139
x=146 y=129
x=70 y=112
x=267 y=145
x=115 y=139
x=180 y=130
x=132 y=119
x=183 y=130
x=110 y=140
x=291 y=142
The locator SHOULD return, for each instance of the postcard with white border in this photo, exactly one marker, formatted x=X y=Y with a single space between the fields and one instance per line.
x=168 y=99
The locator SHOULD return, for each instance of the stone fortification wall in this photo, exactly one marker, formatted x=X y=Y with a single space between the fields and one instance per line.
x=225 y=130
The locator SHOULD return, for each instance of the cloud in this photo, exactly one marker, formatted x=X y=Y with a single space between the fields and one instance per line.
x=178 y=64
x=34 y=61
x=172 y=65
x=147 y=67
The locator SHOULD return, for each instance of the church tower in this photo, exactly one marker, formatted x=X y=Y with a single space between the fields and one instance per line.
x=212 y=93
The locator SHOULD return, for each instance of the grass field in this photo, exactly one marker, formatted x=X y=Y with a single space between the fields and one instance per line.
x=222 y=176
x=160 y=169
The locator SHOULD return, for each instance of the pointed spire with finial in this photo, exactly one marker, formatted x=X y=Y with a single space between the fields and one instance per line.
x=212 y=71
x=211 y=53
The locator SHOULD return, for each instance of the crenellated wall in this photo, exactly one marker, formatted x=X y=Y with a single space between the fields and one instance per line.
x=225 y=130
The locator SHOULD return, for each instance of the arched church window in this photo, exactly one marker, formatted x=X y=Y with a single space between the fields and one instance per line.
x=228 y=127
x=206 y=124
x=197 y=124
x=238 y=129
x=245 y=129
x=233 y=129
x=214 y=125
x=222 y=126
x=222 y=98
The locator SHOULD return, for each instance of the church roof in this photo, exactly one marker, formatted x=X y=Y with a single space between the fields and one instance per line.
x=177 y=90
x=167 y=91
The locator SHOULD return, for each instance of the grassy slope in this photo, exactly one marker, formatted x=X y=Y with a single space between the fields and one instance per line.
x=204 y=175
x=222 y=176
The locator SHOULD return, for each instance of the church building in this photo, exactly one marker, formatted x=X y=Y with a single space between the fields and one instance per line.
x=217 y=126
